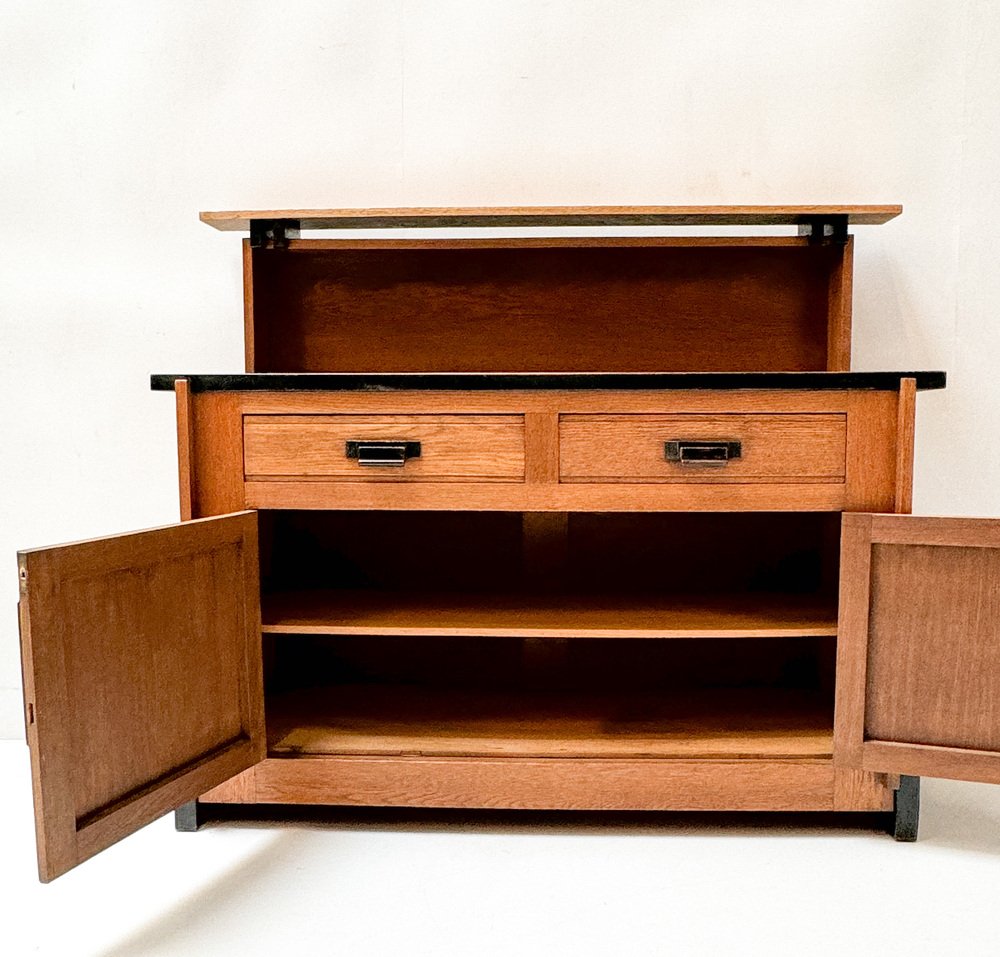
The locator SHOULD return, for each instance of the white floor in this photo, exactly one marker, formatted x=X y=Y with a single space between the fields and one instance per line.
x=673 y=886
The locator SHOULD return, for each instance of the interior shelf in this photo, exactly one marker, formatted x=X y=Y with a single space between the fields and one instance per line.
x=386 y=612
x=375 y=719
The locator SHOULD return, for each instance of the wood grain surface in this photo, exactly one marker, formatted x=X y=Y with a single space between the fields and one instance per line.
x=872 y=464
x=377 y=217
x=549 y=783
x=185 y=449
x=711 y=723
x=905 y=425
x=216 y=428
x=919 y=652
x=513 y=305
x=934 y=646
x=453 y=447
x=142 y=677
x=872 y=459
x=840 y=303
x=774 y=448
x=374 y=612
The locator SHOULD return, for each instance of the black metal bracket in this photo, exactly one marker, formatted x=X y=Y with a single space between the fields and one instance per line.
x=906 y=809
x=713 y=452
x=189 y=817
x=382 y=453
x=824 y=230
x=273 y=233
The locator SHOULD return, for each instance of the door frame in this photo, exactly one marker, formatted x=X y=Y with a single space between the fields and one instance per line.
x=860 y=532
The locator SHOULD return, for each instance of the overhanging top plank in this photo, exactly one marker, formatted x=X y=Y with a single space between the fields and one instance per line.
x=239 y=220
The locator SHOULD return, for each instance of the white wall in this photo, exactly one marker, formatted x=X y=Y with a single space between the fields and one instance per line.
x=119 y=121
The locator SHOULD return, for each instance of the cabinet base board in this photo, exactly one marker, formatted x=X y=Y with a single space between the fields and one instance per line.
x=555 y=784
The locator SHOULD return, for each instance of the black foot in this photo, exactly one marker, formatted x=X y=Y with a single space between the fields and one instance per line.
x=189 y=817
x=906 y=816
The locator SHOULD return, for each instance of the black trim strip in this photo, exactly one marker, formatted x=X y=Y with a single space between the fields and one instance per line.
x=498 y=381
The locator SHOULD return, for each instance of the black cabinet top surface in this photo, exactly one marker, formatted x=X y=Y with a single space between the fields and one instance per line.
x=495 y=381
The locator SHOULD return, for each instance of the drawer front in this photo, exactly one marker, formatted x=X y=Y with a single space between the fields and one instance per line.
x=729 y=447
x=385 y=448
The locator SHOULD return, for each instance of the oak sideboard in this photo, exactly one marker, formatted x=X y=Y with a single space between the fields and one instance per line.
x=554 y=520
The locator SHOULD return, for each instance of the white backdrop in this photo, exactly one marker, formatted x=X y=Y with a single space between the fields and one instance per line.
x=119 y=121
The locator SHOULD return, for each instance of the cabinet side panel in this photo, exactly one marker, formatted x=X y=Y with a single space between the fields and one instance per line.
x=217 y=454
x=839 y=304
x=871 y=451
x=905 y=422
x=185 y=448
x=248 y=294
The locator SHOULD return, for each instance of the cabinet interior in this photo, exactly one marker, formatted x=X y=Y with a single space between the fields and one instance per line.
x=575 y=305
x=589 y=634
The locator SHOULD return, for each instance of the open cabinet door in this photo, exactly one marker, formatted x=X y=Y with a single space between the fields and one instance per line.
x=918 y=658
x=142 y=677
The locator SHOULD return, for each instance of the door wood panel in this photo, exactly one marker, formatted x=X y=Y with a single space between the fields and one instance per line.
x=918 y=671
x=142 y=674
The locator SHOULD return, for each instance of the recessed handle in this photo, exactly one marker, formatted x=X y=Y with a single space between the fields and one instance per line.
x=690 y=452
x=385 y=454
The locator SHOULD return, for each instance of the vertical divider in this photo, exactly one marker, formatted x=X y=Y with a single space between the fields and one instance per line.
x=544 y=550
x=544 y=545
x=541 y=447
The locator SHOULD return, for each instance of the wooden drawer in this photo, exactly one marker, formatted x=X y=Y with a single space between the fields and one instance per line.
x=773 y=448
x=453 y=448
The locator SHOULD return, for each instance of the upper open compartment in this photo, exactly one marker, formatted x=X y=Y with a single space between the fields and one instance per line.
x=550 y=304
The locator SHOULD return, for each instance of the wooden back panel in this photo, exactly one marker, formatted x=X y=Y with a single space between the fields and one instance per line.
x=609 y=552
x=578 y=664
x=413 y=550
x=555 y=305
x=700 y=552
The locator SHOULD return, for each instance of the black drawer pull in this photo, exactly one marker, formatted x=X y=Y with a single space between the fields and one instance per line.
x=701 y=453
x=391 y=454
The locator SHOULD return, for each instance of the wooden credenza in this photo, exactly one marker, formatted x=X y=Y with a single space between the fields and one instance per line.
x=547 y=522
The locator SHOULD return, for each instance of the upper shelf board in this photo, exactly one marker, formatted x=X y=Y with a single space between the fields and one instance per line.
x=455 y=216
